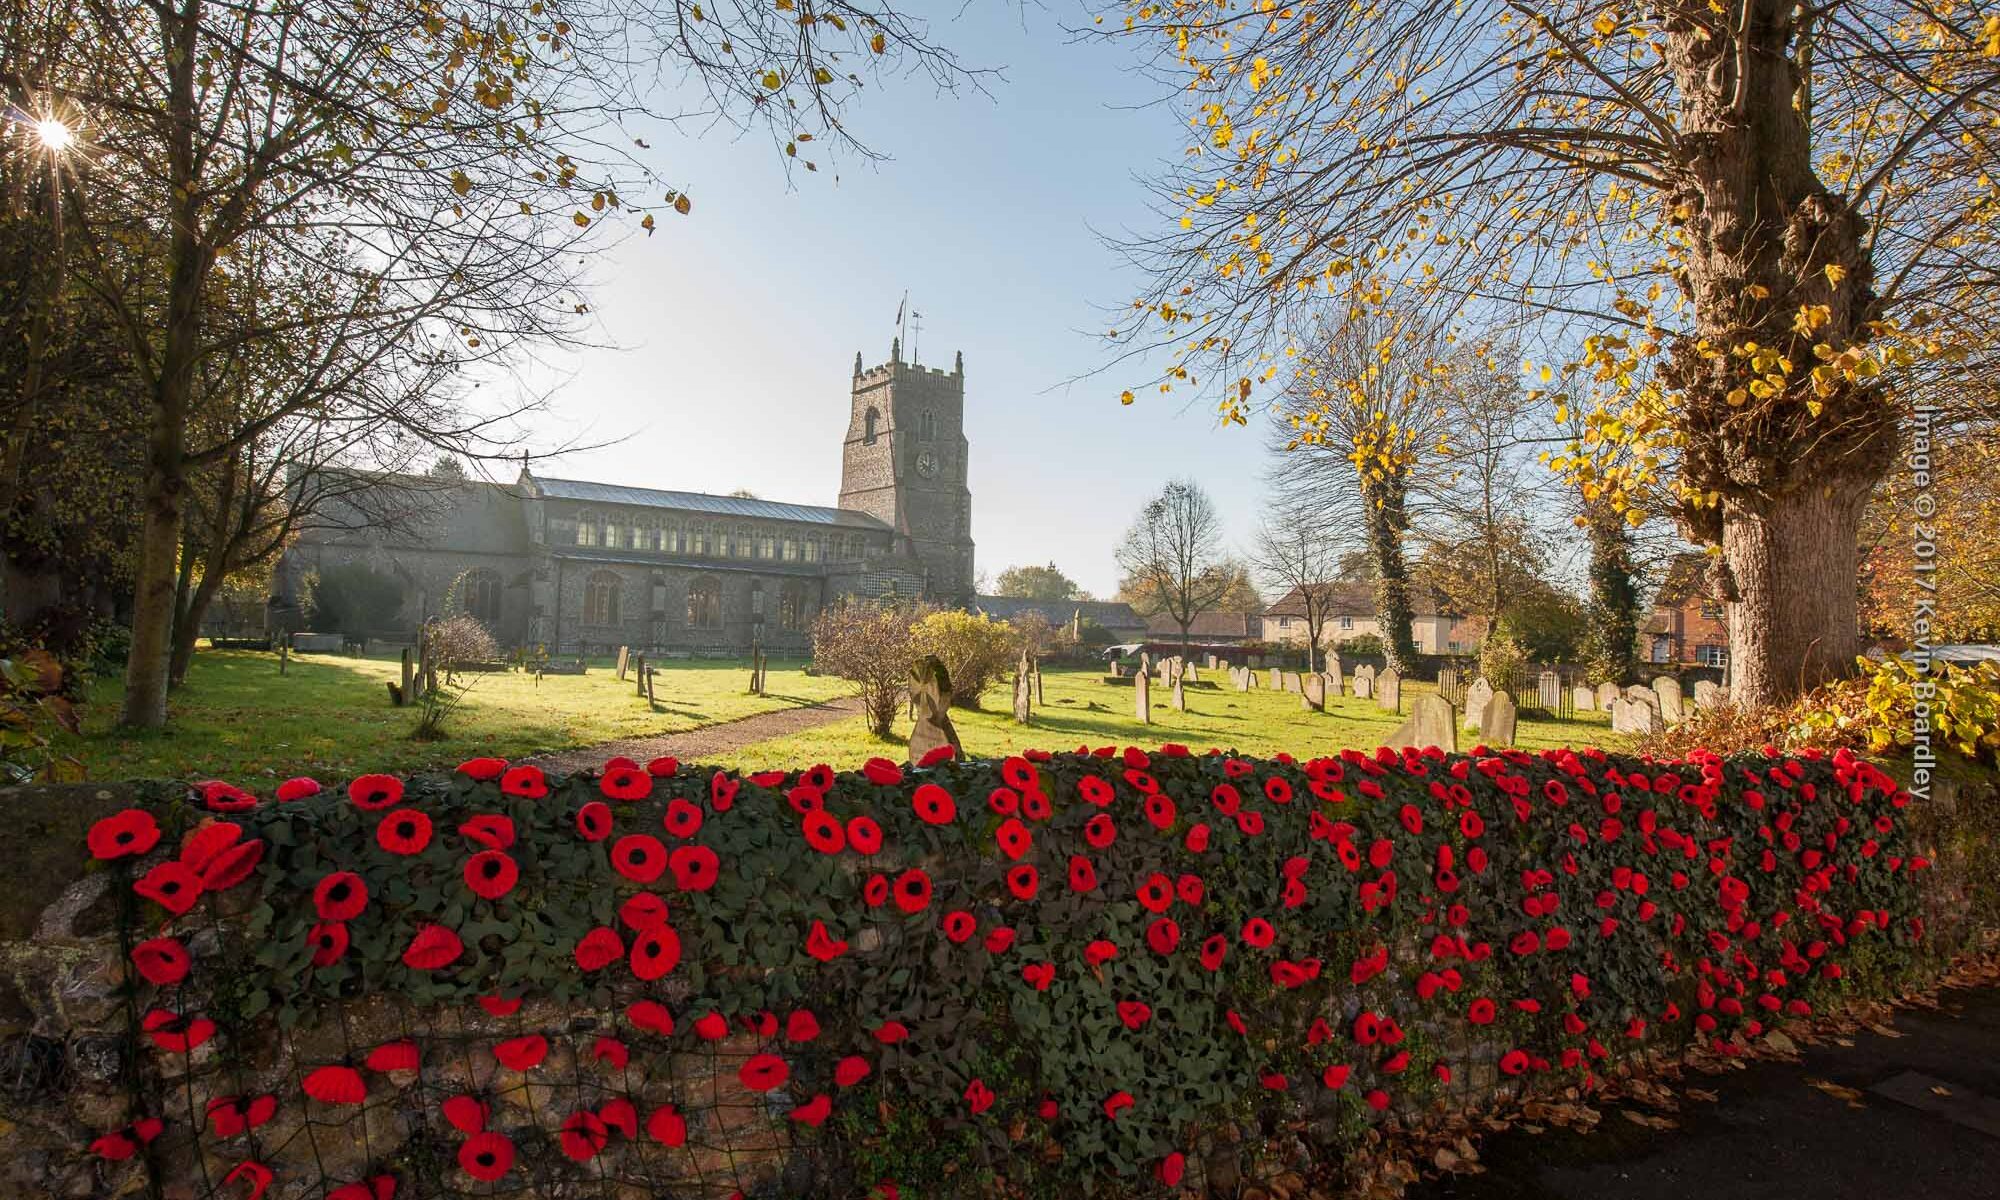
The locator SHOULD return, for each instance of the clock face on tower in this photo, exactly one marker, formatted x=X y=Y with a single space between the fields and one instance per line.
x=927 y=464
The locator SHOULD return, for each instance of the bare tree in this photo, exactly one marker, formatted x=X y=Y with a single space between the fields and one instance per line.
x=1752 y=223
x=1173 y=554
x=1300 y=556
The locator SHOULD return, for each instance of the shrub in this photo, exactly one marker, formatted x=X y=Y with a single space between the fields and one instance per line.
x=1503 y=661
x=872 y=648
x=1049 y=971
x=457 y=642
x=1359 y=644
x=976 y=650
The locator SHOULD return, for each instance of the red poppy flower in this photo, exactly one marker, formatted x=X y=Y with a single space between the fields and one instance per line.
x=523 y=1053
x=372 y=793
x=482 y=769
x=938 y=754
x=1004 y=801
x=1197 y=839
x=639 y=857
x=912 y=892
x=1480 y=1011
x=850 y=1070
x=255 y=1174
x=763 y=1073
x=1258 y=932
x=404 y=832
x=881 y=772
x=486 y=1155
x=232 y=866
x=394 y=1056
x=1514 y=1062
x=229 y=1116
x=1335 y=1076
x=205 y=842
x=1134 y=1013
x=814 y=1111
x=341 y=896
x=1163 y=935
x=123 y=834
x=711 y=1026
x=1035 y=805
x=875 y=890
x=933 y=805
x=171 y=885
x=1160 y=812
x=1377 y=1100
x=1039 y=975
x=805 y=798
x=627 y=784
x=667 y=1126
x=824 y=832
x=643 y=910
x=433 y=947
x=651 y=1016
x=1213 y=951
x=500 y=1006
x=864 y=835
x=491 y=874
x=1117 y=1103
x=1156 y=894
x=1096 y=791
x=1100 y=952
x=999 y=940
x=978 y=1097
x=1082 y=874
x=161 y=961
x=491 y=830
x=328 y=940
x=618 y=1113
x=1100 y=831
x=1172 y=1169
x=821 y=944
x=222 y=797
x=337 y=1085
x=695 y=868
x=1023 y=881
x=612 y=1052
x=1019 y=772
x=598 y=949
x=174 y=1033
x=583 y=1135
x=890 y=1032
x=1013 y=838
x=655 y=952
x=467 y=1114
x=683 y=819
x=525 y=781
x=722 y=792
x=959 y=925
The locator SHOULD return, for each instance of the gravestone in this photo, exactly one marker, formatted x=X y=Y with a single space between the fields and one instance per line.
x=1668 y=689
x=1389 y=691
x=1024 y=671
x=930 y=697
x=1244 y=676
x=1142 y=684
x=1145 y=663
x=1607 y=695
x=1194 y=675
x=639 y=676
x=1291 y=682
x=1362 y=682
x=1117 y=669
x=1277 y=679
x=1584 y=699
x=1708 y=695
x=1036 y=660
x=1432 y=723
x=1496 y=724
x=1332 y=674
x=1633 y=716
x=1332 y=664
x=1312 y=693
x=1549 y=691
x=1639 y=693
x=624 y=660
x=1209 y=662
x=1477 y=697
x=1180 y=694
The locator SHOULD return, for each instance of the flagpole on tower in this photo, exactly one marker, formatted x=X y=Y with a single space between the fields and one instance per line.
x=902 y=306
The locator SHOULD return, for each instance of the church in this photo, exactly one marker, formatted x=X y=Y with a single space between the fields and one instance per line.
x=581 y=567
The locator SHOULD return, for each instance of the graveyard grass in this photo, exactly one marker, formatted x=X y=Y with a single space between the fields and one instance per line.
x=330 y=716
x=1083 y=710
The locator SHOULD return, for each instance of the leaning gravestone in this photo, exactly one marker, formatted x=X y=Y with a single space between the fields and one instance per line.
x=1633 y=716
x=1477 y=697
x=1312 y=693
x=1432 y=723
x=624 y=661
x=1496 y=724
x=1180 y=694
x=1707 y=695
x=1607 y=694
x=1584 y=699
x=1193 y=675
x=930 y=697
x=1024 y=672
x=1142 y=683
x=1549 y=691
x=1668 y=689
x=1389 y=691
x=1243 y=677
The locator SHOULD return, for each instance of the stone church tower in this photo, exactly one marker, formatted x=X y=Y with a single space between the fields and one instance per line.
x=904 y=463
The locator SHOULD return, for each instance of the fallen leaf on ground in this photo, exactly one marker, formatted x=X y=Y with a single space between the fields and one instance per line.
x=1838 y=1092
x=1705 y=1097
x=1650 y=1121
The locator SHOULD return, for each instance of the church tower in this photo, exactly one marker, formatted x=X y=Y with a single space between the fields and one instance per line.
x=904 y=463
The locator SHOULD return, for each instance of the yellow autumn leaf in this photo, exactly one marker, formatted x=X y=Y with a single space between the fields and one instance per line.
x=771 y=80
x=580 y=220
x=1125 y=398
x=878 y=43
x=460 y=182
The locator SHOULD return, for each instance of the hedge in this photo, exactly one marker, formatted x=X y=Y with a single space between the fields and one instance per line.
x=1051 y=967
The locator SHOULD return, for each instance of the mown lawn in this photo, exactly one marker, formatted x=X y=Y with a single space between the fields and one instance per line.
x=1083 y=710
x=237 y=719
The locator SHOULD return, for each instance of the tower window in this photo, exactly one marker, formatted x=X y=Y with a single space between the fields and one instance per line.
x=868 y=430
x=927 y=426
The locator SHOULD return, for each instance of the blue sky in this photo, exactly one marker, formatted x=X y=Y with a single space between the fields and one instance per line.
x=736 y=327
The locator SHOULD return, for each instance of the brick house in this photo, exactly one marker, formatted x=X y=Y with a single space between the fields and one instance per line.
x=1687 y=625
x=1348 y=612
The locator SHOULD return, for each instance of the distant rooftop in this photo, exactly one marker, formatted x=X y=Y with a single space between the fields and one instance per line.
x=1111 y=614
x=727 y=506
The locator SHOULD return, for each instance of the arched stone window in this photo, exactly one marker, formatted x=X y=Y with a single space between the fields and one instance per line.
x=698 y=539
x=745 y=544
x=704 y=603
x=479 y=594
x=794 y=612
x=868 y=427
x=670 y=539
x=767 y=546
x=588 y=529
x=600 y=598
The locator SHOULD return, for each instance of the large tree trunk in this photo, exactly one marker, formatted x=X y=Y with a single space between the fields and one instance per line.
x=1383 y=502
x=1778 y=272
x=1790 y=593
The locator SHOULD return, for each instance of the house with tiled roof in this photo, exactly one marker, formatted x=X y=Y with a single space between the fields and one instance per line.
x=1687 y=625
x=1209 y=628
x=1347 y=611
